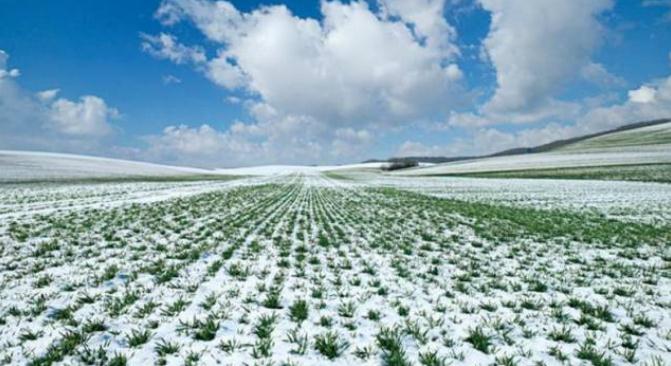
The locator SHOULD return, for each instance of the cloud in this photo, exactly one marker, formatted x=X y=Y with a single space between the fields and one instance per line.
x=171 y=79
x=218 y=20
x=428 y=21
x=349 y=142
x=13 y=73
x=453 y=72
x=224 y=72
x=166 y=46
x=537 y=46
x=648 y=102
x=536 y=49
x=479 y=141
x=660 y=3
x=352 y=64
x=277 y=139
x=290 y=140
x=488 y=140
x=466 y=119
x=184 y=145
x=551 y=109
x=416 y=148
x=326 y=88
x=87 y=117
x=597 y=74
x=39 y=121
x=21 y=116
x=182 y=139
x=319 y=86
x=47 y=95
x=315 y=87
x=644 y=94
x=233 y=99
x=4 y=72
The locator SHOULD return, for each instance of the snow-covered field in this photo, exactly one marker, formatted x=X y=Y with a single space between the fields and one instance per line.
x=626 y=201
x=16 y=166
x=304 y=269
x=295 y=169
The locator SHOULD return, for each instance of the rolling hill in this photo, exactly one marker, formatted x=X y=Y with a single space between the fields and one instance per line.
x=24 y=166
x=635 y=152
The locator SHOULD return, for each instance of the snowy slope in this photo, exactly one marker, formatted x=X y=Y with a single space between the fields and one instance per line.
x=650 y=135
x=26 y=166
x=18 y=166
x=646 y=145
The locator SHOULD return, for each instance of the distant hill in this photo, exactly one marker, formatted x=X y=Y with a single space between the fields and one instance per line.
x=636 y=145
x=562 y=143
x=554 y=145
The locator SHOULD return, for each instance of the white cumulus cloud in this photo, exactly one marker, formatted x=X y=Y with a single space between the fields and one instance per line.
x=648 y=102
x=428 y=21
x=290 y=140
x=89 y=116
x=537 y=46
x=47 y=95
x=352 y=64
x=644 y=94
x=41 y=121
x=315 y=87
x=4 y=72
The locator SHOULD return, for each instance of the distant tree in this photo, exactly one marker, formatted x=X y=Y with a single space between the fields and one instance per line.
x=400 y=164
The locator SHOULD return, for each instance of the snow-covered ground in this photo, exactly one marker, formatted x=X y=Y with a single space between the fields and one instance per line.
x=303 y=269
x=18 y=200
x=631 y=201
x=651 y=154
x=295 y=169
x=25 y=166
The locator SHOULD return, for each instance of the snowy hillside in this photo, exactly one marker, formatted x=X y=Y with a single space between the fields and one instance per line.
x=29 y=166
x=647 y=145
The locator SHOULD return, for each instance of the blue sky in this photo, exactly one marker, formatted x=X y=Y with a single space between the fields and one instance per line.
x=206 y=83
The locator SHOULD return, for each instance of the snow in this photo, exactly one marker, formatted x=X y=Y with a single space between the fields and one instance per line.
x=17 y=166
x=396 y=246
x=630 y=201
x=17 y=200
x=630 y=139
x=601 y=157
x=26 y=165
x=295 y=169
x=645 y=145
x=418 y=254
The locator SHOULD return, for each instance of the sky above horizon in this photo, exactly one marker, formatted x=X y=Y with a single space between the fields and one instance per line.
x=236 y=83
